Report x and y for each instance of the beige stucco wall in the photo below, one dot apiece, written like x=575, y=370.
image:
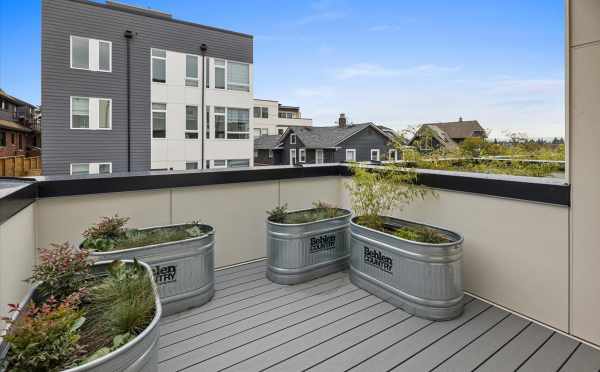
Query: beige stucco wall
x=584, y=126
x=17, y=256
x=515, y=252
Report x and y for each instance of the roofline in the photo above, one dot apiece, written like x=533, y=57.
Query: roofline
x=367, y=126
x=268, y=100
x=132, y=10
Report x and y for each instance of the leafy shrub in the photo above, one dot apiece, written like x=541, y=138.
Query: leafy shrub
x=45, y=338
x=278, y=213
x=62, y=271
x=110, y=228
x=123, y=302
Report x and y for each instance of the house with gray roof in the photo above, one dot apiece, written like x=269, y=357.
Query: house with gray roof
x=447, y=135
x=333, y=144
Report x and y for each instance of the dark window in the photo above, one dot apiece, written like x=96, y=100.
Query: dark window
x=265, y=112
x=20, y=142
x=2, y=139
x=14, y=140
x=257, y=112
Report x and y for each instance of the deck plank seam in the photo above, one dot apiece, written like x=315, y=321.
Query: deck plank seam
x=535, y=351
x=502, y=347
x=568, y=357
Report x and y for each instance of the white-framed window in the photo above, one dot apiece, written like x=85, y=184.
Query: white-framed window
x=190, y=165
x=292, y=156
x=350, y=155
x=392, y=155
x=256, y=153
x=238, y=163
x=261, y=112
x=374, y=154
x=302, y=155
x=90, y=54
x=159, y=120
x=270, y=154
x=238, y=123
x=191, y=122
x=90, y=168
x=256, y=132
x=238, y=76
x=159, y=65
x=220, y=122
x=219, y=163
x=280, y=131
x=220, y=73
x=91, y=113
x=319, y=156
x=292, y=139
x=260, y=132
x=191, y=70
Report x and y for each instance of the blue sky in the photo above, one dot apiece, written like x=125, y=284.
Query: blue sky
x=396, y=63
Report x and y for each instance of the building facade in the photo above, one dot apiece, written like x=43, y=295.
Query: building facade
x=19, y=127
x=273, y=118
x=447, y=135
x=131, y=89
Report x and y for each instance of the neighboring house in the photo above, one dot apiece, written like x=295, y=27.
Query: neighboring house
x=265, y=152
x=318, y=145
x=19, y=127
x=447, y=135
x=132, y=89
x=270, y=117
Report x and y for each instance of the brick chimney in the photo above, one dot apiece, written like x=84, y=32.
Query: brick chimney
x=460, y=118
x=342, y=121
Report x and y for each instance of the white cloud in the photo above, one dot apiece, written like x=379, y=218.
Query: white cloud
x=374, y=70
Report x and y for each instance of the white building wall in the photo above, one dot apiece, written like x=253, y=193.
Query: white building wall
x=175, y=150
x=274, y=122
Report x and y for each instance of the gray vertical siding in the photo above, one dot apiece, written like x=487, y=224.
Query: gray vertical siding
x=62, y=18
x=363, y=142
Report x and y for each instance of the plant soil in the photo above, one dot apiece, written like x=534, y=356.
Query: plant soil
x=310, y=215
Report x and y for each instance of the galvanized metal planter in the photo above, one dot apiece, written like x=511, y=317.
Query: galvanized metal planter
x=301, y=252
x=138, y=355
x=184, y=270
x=422, y=278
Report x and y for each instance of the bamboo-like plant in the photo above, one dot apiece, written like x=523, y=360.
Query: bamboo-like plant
x=377, y=191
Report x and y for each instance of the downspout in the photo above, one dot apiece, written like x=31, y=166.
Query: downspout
x=203, y=49
x=128, y=36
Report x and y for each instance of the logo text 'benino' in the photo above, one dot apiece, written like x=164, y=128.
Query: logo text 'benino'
x=164, y=274
x=376, y=258
x=322, y=243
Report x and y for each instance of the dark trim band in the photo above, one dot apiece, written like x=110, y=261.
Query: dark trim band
x=14, y=202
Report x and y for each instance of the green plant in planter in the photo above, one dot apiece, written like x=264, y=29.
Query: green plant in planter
x=278, y=213
x=377, y=191
x=101, y=236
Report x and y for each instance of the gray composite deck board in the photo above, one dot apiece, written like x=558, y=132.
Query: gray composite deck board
x=328, y=324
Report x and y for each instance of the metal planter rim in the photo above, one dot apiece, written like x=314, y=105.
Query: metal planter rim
x=347, y=213
x=459, y=241
x=211, y=231
x=132, y=343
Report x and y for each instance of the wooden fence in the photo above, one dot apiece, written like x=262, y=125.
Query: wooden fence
x=20, y=166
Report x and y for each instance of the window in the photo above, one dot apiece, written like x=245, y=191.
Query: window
x=208, y=164
x=80, y=112
x=302, y=155
x=104, y=113
x=280, y=131
x=374, y=154
x=292, y=156
x=207, y=77
x=270, y=154
x=159, y=120
x=319, y=157
x=238, y=123
x=191, y=165
x=219, y=74
x=91, y=168
x=219, y=122
x=219, y=163
x=191, y=122
x=14, y=139
x=20, y=141
x=238, y=163
x=292, y=139
x=191, y=71
x=91, y=54
x=159, y=66
x=207, y=122
x=264, y=131
x=350, y=155
x=392, y=155
x=238, y=76
x=256, y=153
x=261, y=112
x=3, y=139
x=286, y=115
x=256, y=132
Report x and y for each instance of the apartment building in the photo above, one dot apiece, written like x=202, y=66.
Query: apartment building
x=273, y=118
x=131, y=89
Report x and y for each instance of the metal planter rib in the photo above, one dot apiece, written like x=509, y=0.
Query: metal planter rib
x=138, y=355
x=184, y=270
x=423, y=279
x=301, y=252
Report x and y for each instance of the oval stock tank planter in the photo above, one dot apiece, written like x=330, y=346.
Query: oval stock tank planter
x=424, y=279
x=184, y=270
x=301, y=252
x=138, y=355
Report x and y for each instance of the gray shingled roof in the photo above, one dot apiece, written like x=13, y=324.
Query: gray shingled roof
x=266, y=142
x=326, y=137
x=460, y=129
